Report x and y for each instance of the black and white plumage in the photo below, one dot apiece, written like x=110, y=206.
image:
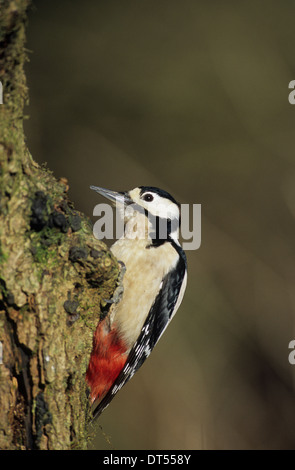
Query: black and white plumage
x=154, y=285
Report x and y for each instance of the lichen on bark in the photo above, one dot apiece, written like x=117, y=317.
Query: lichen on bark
x=54, y=276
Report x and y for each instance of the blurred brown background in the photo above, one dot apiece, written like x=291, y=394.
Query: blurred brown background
x=192, y=97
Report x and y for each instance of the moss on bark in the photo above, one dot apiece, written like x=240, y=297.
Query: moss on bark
x=53, y=277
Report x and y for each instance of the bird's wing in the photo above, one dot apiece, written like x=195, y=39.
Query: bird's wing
x=164, y=307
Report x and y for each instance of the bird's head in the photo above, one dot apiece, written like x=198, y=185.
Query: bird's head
x=147, y=211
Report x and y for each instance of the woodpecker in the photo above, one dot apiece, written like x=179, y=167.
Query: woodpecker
x=153, y=287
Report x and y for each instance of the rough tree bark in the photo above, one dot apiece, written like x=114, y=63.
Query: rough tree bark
x=53, y=277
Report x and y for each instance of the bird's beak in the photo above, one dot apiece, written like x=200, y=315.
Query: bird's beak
x=118, y=197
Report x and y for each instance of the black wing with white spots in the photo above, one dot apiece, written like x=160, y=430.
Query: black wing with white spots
x=157, y=320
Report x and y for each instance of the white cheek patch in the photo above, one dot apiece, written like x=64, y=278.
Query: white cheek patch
x=159, y=207
x=163, y=209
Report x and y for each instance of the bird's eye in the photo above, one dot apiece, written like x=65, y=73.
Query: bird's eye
x=148, y=197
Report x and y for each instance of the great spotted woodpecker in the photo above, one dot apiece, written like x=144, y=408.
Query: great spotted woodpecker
x=154, y=285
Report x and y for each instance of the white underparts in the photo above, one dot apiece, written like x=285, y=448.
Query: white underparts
x=145, y=270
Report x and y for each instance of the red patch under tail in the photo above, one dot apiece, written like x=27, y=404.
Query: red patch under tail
x=107, y=359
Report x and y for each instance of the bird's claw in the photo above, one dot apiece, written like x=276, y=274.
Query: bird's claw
x=118, y=292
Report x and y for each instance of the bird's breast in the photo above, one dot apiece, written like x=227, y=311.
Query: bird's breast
x=145, y=269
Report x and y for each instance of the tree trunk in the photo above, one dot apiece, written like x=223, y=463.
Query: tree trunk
x=53, y=277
